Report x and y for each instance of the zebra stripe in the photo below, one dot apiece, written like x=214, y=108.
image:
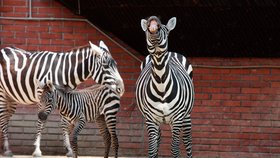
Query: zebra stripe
x=98, y=103
x=20, y=72
x=164, y=89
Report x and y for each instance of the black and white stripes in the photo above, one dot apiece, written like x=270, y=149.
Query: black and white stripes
x=98, y=103
x=20, y=72
x=164, y=89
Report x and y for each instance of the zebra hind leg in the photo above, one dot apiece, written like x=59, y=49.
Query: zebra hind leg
x=6, y=111
x=105, y=133
x=187, y=137
x=111, y=125
x=176, y=129
x=154, y=137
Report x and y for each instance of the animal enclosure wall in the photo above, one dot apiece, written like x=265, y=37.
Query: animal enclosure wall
x=236, y=111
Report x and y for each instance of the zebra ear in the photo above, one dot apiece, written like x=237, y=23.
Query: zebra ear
x=40, y=84
x=63, y=88
x=103, y=45
x=96, y=49
x=171, y=23
x=50, y=85
x=144, y=25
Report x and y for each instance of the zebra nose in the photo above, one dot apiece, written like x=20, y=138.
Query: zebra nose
x=120, y=87
x=120, y=91
x=42, y=116
x=153, y=26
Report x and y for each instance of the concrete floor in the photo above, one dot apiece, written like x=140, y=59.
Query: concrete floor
x=52, y=156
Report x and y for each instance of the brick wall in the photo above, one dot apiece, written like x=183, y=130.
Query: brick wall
x=236, y=111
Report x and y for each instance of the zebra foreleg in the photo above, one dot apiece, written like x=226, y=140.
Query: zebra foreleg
x=105, y=133
x=187, y=136
x=77, y=130
x=154, y=137
x=65, y=131
x=40, y=127
x=176, y=129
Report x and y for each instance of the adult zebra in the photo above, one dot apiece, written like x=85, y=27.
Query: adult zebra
x=98, y=103
x=20, y=72
x=164, y=89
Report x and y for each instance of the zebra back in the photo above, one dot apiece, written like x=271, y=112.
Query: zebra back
x=20, y=70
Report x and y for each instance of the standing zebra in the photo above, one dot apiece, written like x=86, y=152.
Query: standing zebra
x=20, y=72
x=99, y=103
x=164, y=89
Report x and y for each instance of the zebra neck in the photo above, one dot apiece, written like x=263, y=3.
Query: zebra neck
x=160, y=67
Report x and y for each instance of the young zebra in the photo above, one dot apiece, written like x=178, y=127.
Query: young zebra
x=164, y=89
x=99, y=103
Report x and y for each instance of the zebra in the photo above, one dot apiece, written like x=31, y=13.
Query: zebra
x=98, y=103
x=164, y=88
x=20, y=70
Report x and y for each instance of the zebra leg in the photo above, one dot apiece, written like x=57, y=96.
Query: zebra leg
x=65, y=131
x=40, y=127
x=111, y=125
x=77, y=130
x=154, y=138
x=6, y=111
x=176, y=129
x=105, y=133
x=187, y=136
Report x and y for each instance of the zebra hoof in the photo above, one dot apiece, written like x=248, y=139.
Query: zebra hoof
x=37, y=154
x=8, y=153
x=69, y=155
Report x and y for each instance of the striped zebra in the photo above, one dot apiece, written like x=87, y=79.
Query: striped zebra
x=20, y=71
x=164, y=89
x=98, y=103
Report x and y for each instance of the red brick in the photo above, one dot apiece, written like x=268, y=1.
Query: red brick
x=251, y=90
x=240, y=71
x=6, y=9
x=14, y=41
x=21, y=9
x=14, y=3
x=275, y=84
x=13, y=28
x=55, y=29
x=37, y=29
x=231, y=103
x=15, y=14
x=260, y=71
x=275, y=71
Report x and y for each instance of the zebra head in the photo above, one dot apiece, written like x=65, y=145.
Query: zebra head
x=157, y=34
x=47, y=99
x=108, y=73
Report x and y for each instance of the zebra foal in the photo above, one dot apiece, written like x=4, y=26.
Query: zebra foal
x=99, y=103
x=164, y=89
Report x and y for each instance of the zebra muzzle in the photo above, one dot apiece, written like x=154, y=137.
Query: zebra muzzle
x=42, y=116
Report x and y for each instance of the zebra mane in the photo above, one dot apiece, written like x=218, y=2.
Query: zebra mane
x=78, y=48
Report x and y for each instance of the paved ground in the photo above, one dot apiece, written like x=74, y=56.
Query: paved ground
x=25, y=156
